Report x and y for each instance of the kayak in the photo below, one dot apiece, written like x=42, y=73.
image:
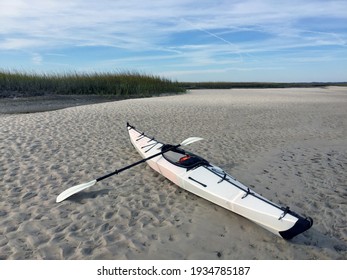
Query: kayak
x=198, y=176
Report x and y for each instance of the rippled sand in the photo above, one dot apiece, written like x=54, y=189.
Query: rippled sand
x=290, y=145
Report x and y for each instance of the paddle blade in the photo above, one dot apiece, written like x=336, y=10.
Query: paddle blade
x=190, y=140
x=75, y=189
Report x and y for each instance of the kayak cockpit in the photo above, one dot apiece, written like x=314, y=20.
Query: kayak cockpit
x=182, y=158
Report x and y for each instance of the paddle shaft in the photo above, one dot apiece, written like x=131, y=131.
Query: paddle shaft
x=135, y=163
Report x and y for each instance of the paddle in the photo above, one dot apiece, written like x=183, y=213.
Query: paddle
x=75, y=189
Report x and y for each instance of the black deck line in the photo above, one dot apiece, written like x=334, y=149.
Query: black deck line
x=246, y=191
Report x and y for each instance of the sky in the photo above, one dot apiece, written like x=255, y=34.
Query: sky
x=183, y=40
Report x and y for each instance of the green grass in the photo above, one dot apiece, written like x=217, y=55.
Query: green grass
x=121, y=85
x=126, y=84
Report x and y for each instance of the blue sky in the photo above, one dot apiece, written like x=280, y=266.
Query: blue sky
x=184, y=40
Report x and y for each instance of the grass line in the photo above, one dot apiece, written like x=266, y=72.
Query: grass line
x=127, y=84
x=249, y=85
x=120, y=85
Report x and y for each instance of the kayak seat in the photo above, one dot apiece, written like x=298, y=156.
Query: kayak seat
x=182, y=158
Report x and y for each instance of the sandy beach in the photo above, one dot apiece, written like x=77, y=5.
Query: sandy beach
x=290, y=145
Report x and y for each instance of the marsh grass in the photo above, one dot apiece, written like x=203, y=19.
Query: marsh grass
x=120, y=85
x=125, y=84
x=230, y=85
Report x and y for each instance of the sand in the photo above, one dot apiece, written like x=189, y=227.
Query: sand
x=290, y=145
x=48, y=102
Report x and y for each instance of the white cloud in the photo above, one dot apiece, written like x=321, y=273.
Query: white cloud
x=36, y=58
x=128, y=24
x=212, y=28
x=19, y=43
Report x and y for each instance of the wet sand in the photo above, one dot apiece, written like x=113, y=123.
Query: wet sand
x=50, y=102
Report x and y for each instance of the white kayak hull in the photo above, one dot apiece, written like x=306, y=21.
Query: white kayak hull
x=210, y=182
